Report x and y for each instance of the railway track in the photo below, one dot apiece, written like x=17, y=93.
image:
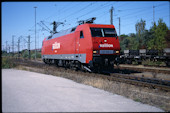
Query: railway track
x=142, y=81
x=126, y=78
x=164, y=70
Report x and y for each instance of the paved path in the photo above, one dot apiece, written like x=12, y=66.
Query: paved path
x=24, y=91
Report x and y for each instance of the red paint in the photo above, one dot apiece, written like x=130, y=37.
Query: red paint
x=73, y=44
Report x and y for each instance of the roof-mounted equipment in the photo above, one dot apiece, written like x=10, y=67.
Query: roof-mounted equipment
x=90, y=20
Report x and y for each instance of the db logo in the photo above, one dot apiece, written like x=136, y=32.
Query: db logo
x=56, y=45
x=105, y=45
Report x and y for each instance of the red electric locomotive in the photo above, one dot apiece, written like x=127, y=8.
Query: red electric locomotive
x=91, y=47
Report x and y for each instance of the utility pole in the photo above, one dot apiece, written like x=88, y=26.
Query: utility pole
x=35, y=33
x=12, y=45
x=111, y=15
x=2, y=47
x=29, y=55
x=9, y=48
x=119, y=26
x=6, y=46
x=28, y=50
x=154, y=14
x=19, y=46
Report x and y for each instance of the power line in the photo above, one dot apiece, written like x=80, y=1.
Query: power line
x=137, y=12
x=33, y=26
x=81, y=15
x=126, y=25
x=92, y=11
x=161, y=4
x=124, y=10
x=110, y=4
x=45, y=26
x=62, y=11
x=79, y=10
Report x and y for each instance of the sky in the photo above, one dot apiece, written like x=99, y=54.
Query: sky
x=18, y=18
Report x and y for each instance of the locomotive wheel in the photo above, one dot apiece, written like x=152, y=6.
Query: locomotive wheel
x=56, y=63
x=129, y=61
x=44, y=61
x=167, y=63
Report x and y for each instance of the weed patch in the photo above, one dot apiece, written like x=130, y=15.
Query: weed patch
x=7, y=63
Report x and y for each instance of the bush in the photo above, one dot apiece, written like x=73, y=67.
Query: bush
x=25, y=54
x=6, y=63
x=38, y=55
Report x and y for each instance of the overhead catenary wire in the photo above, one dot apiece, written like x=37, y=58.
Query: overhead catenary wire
x=62, y=11
x=92, y=11
x=138, y=13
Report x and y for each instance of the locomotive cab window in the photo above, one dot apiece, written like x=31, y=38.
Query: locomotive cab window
x=103, y=32
x=96, y=32
x=108, y=32
x=81, y=34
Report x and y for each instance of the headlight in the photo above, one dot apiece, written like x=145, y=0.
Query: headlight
x=117, y=51
x=94, y=51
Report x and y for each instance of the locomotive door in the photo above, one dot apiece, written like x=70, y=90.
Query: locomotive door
x=77, y=45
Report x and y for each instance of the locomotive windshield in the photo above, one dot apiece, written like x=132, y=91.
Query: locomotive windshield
x=103, y=32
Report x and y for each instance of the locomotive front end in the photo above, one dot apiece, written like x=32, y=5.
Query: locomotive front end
x=106, y=47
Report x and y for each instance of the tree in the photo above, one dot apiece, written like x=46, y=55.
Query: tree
x=167, y=38
x=154, y=38
x=123, y=42
x=132, y=35
x=157, y=40
x=140, y=29
x=151, y=37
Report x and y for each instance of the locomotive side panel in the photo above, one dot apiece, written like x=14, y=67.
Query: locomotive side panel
x=57, y=45
x=43, y=47
x=70, y=47
x=60, y=48
x=85, y=42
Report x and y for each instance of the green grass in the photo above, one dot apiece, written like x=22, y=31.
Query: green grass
x=153, y=63
x=137, y=100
